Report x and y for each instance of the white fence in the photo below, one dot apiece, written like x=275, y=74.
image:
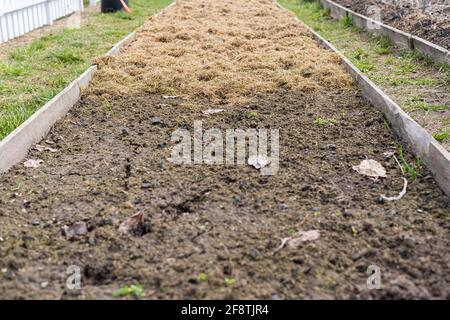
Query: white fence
x=18, y=17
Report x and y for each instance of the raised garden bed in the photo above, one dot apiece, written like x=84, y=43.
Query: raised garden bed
x=428, y=19
x=213, y=231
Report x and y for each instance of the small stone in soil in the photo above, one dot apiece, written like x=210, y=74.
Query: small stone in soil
x=357, y=256
x=348, y=214
x=76, y=229
x=255, y=254
x=156, y=120
x=91, y=241
x=145, y=185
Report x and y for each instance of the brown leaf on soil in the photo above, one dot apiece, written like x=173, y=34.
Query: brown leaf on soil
x=33, y=163
x=212, y=111
x=296, y=240
x=76, y=229
x=134, y=225
x=371, y=168
x=128, y=205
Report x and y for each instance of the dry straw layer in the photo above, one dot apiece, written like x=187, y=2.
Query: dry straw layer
x=220, y=50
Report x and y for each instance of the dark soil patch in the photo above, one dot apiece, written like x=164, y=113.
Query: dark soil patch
x=430, y=22
x=218, y=220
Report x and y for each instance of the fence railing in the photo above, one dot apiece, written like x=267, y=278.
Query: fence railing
x=18, y=17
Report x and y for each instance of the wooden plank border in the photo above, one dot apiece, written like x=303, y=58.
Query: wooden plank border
x=402, y=39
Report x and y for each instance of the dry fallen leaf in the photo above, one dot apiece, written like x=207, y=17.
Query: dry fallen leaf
x=258, y=161
x=33, y=163
x=370, y=168
x=300, y=237
x=212, y=111
x=128, y=205
x=76, y=229
x=41, y=148
x=134, y=225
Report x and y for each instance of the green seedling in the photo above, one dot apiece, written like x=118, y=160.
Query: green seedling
x=135, y=290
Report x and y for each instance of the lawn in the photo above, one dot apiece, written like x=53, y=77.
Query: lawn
x=34, y=74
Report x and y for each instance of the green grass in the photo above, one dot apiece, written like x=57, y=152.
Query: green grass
x=418, y=103
x=32, y=75
x=347, y=21
x=360, y=60
x=442, y=136
x=384, y=45
x=413, y=170
x=229, y=281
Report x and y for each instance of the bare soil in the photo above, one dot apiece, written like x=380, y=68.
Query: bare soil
x=430, y=21
x=224, y=221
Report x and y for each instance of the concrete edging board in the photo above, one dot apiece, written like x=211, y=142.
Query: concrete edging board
x=402, y=39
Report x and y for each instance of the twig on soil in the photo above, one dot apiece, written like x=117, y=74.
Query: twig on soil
x=402, y=193
x=283, y=243
x=401, y=167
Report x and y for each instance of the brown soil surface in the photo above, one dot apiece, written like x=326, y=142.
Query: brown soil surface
x=224, y=221
x=430, y=21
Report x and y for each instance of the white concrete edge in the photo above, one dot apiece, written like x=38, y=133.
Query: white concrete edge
x=14, y=147
x=402, y=39
x=421, y=142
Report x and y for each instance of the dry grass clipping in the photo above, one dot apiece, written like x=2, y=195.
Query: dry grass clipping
x=220, y=50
